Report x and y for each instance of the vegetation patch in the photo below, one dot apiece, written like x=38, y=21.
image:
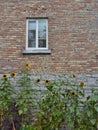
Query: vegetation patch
x=62, y=103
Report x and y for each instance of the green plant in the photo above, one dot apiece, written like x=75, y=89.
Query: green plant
x=26, y=127
x=6, y=96
x=24, y=99
x=50, y=115
x=64, y=101
x=91, y=110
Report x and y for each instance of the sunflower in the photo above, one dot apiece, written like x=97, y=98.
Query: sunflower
x=4, y=76
x=37, y=80
x=82, y=84
x=47, y=81
x=27, y=64
x=73, y=94
x=74, y=75
x=12, y=74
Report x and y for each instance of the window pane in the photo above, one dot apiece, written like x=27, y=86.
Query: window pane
x=42, y=33
x=42, y=43
x=32, y=43
x=32, y=34
x=32, y=25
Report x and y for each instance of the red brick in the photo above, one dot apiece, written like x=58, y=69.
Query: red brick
x=73, y=36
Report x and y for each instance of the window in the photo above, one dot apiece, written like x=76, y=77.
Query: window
x=37, y=34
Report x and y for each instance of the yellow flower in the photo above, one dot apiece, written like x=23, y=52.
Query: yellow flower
x=73, y=94
x=74, y=75
x=82, y=84
x=4, y=76
x=38, y=80
x=47, y=81
x=12, y=74
x=27, y=64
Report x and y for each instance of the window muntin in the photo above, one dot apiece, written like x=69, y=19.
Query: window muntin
x=37, y=34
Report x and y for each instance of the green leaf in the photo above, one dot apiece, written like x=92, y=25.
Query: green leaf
x=93, y=121
x=78, y=111
x=94, y=98
x=71, y=109
x=25, y=109
x=22, y=127
x=20, y=112
x=57, y=112
x=96, y=107
x=89, y=113
x=71, y=123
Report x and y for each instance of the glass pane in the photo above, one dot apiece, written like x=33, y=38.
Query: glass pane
x=31, y=43
x=32, y=25
x=42, y=33
x=31, y=38
x=32, y=34
x=42, y=43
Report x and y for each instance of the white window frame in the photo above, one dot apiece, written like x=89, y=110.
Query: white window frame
x=36, y=48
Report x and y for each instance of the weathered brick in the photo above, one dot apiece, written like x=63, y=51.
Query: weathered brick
x=73, y=35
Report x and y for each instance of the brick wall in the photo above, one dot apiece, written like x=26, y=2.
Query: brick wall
x=73, y=35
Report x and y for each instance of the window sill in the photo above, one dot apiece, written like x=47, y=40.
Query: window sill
x=25, y=52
